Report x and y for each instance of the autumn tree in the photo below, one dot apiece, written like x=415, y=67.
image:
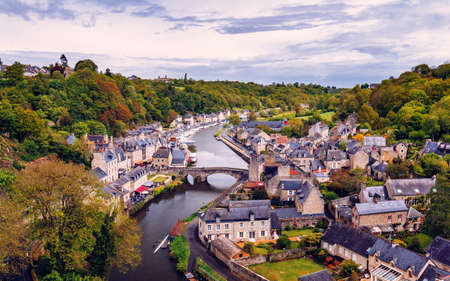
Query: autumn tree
x=171, y=115
x=234, y=120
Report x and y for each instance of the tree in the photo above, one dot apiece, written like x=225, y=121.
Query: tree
x=63, y=60
x=96, y=127
x=414, y=245
x=14, y=73
x=437, y=221
x=283, y=242
x=86, y=64
x=398, y=170
x=422, y=69
x=79, y=129
x=347, y=268
x=108, y=72
x=249, y=247
x=252, y=116
x=100, y=259
x=345, y=183
x=343, y=145
x=234, y=120
x=297, y=127
x=171, y=115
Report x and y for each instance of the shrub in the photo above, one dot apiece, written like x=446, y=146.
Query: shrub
x=283, y=242
x=179, y=249
x=249, y=247
x=347, y=268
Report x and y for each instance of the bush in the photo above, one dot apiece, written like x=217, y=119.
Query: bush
x=347, y=268
x=287, y=228
x=179, y=249
x=283, y=242
x=249, y=247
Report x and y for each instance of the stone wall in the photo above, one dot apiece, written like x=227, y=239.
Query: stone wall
x=287, y=254
x=244, y=273
x=300, y=222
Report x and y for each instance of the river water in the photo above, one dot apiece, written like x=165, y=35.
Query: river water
x=157, y=219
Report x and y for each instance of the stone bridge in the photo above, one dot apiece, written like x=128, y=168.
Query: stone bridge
x=201, y=174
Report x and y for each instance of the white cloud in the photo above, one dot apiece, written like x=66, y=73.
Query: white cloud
x=261, y=40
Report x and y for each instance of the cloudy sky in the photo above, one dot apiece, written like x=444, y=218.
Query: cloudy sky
x=331, y=42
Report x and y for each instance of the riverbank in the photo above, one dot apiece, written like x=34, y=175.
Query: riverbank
x=242, y=152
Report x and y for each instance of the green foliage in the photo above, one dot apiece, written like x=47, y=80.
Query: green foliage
x=191, y=217
x=179, y=249
x=437, y=221
x=260, y=194
x=14, y=73
x=234, y=120
x=7, y=178
x=53, y=276
x=100, y=259
x=86, y=64
x=206, y=271
x=283, y=242
x=249, y=247
x=347, y=268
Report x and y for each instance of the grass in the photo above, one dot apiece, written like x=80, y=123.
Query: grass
x=327, y=116
x=160, y=179
x=424, y=240
x=204, y=269
x=288, y=270
x=298, y=232
x=263, y=249
x=218, y=132
x=150, y=176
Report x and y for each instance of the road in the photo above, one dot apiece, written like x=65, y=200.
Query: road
x=198, y=250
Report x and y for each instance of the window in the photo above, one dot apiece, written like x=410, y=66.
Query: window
x=354, y=257
x=209, y=227
x=345, y=252
x=341, y=250
x=241, y=234
x=263, y=233
x=325, y=245
x=389, y=219
x=209, y=236
x=241, y=224
x=262, y=223
x=252, y=223
x=251, y=234
x=290, y=192
x=227, y=226
x=227, y=235
x=399, y=218
x=218, y=227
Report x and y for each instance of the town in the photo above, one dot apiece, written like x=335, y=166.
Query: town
x=280, y=209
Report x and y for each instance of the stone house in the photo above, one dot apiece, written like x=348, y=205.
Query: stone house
x=386, y=216
x=258, y=144
x=319, y=171
x=401, y=149
x=127, y=184
x=226, y=250
x=360, y=159
x=320, y=128
x=189, y=120
x=388, y=154
x=241, y=221
x=242, y=134
x=373, y=194
x=178, y=158
x=309, y=200
x=162, y=158
x=336, y=160
x=378, y=170
x=107, y=161
x=439, y=253
x=391, y=262
x=348, y=243
x=340, y=132
x=288, y=189
x=302, y=159
x=410, y=190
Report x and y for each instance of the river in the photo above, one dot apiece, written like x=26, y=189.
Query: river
x=157, y=219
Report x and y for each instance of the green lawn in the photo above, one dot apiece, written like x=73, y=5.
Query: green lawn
x=205, y=269
x=160, y=179
x=288, y=270
x=424, y=240
x=262, y=250
x=327, y=116
x=298, y=232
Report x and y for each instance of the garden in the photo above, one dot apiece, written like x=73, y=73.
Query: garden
x=288, y=270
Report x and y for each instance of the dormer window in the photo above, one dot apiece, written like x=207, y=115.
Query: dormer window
x=252, y=217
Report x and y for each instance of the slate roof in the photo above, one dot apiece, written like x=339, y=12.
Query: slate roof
x=410, y=187
x=274, y=221
x=336, y=155
x=380, y=166
x=371, y=191
x=239, y=211
x=381, y=207
x=303, y=191
x=162, y=152
x=291, y=184
x=109, y=155
x=317, y=165
x=100, y=173
x=439, y=250
x=403, y=258
x=226, y=247
x=286, y=213
x=431, y=147
x=413, y=213
x=177, y=156
x=300, y=153
x=432, y=273
x=351, y=238
x=317, y=276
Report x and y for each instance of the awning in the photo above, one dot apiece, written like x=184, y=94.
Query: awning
x=386, y=273
x=141, y=188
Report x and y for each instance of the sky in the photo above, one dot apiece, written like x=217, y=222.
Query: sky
x=328, y=42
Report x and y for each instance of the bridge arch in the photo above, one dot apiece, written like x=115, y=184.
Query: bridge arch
x=200, y=174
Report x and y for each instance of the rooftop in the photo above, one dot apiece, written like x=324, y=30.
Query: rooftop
x=381, y=207
x=410, y=187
